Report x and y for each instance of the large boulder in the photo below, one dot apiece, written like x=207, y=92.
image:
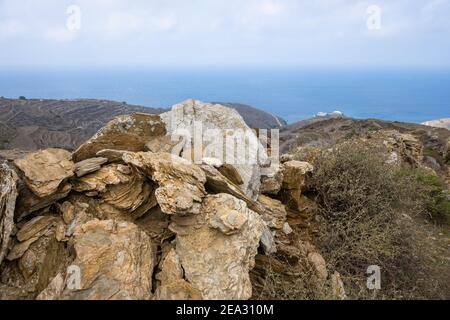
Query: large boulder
x=217, y=247
x=223, y=134
x=8, y=194
x=115, y=260
x=44, y=171
x=128, y=132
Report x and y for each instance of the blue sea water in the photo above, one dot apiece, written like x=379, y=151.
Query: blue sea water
x=292, y=93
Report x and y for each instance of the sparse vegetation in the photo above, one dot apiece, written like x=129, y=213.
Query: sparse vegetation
x=433, y=194
x=367, y=207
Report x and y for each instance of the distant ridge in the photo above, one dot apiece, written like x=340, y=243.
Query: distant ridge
x=31, y=124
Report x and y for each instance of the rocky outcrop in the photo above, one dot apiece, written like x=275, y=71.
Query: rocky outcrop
x=8, y=194
x=133, y=219
x=223, y=134
x=129, y=132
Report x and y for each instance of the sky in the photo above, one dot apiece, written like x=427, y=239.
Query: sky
x=126, y=33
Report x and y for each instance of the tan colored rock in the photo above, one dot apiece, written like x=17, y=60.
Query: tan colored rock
x=45, y=170
x=87, y=166
x=164, y=144
x=116, y=260
x=180, y=183
x=294, y=173
x=28, y=202
x=319, y=265
x=67, y=210
x=274, y=213
x=177, y=290
x=271, y=184
x=219, y=125
x=34, y=226
x=54, y=289
x=8, y=195
x=215, y=263
x=20, y=248
x=129, y=132
x=294, y=181
x=218, y=183
x=121, y=190
x=38, y=265
x=111, y=155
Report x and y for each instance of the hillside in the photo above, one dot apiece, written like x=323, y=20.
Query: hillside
x=35, y=124
x=328, y=132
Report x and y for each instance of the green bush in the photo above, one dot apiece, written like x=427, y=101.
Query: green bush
x=22, y=98
x=434, y=195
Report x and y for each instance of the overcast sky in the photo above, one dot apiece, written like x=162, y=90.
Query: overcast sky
x=224, y=32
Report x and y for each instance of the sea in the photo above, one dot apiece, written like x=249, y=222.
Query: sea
x=295, y=93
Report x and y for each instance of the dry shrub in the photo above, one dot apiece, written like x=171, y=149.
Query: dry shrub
x=366, y=209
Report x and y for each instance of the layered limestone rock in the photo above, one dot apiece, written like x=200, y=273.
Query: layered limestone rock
x=44, y=171
x=115, y=260
x=120, y=191
x=218, y=132
x=217, y=247
x=180, y=183
x=294, y=179
x=8, y=195
x=129, y=132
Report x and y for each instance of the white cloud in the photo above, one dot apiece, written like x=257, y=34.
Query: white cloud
x=224, y=32
x=271, y=8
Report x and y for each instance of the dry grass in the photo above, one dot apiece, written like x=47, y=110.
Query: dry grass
x=367, y=209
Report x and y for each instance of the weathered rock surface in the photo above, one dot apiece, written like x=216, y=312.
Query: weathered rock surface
x=84, y=167
x=129, y=132
x=28, y=202
x=120, y=190
x=219, y=124
x=275, y=212
x=215, y=262
x=180, y=183
x=172, y=285
x=8, y=195
x=45, y=170
x=294, y=180
x=116, y=261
